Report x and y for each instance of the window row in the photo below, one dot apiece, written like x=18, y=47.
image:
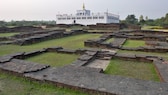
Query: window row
x=81, y=18
x=114, y=18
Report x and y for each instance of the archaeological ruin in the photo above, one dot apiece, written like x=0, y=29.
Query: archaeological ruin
x=86, y=73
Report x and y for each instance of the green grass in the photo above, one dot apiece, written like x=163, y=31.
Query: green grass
x=155, y=28
x=7, y=34
x=110, y=40
x=151, y=27
x=165, y=30
x=164, y=55
x=12, y=85
x=54, y=59
x=134, y=43
x=72, y=42
x=134, y=69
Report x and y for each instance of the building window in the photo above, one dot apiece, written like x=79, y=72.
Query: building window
x=83, y=17
x=73, y=17
x=78, y=17
x=59, y=18
x=101, y=17
x=89, y=17
x=95, y=17
x=68, y=18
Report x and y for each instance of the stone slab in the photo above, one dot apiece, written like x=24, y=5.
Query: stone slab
x=79, y=63
x=21, y=66
x=85, y=57
x=118, y=41
x=16, y=55
x=5, y=59
x=54, y=48
x=97, y=63
x=91, y=80
x=32, y=53
x=163, y=69
x=91, y=53
x=68, y=51
x=124, y=55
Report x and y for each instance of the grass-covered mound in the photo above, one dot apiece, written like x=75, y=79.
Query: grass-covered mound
x=134, y=69
x=54, y=59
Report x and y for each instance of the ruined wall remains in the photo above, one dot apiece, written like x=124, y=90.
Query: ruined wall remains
x=101, y=26
x=19, y=29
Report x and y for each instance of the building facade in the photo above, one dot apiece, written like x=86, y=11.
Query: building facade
x=85, y=17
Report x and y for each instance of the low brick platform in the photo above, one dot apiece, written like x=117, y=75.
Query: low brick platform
x=84, y=78
x=163, y=69
x=91, y=80
x=21, y=66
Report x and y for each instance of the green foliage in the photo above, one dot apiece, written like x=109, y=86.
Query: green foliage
x=26, y=23
x=54, y=59
x=146, y=18
x=150, y=22
x=158, y=22
x=3, y=23
x=130, y=19
x=141, y=20
x=134, y=69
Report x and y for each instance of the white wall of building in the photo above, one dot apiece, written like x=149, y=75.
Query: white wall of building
x=85, y=21
x=86, y=18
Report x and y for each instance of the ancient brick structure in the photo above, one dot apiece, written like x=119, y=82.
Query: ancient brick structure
x=101, y=26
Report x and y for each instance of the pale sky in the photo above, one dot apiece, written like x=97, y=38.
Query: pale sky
x=47, y=9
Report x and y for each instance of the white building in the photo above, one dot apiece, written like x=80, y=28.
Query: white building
x=85, y=17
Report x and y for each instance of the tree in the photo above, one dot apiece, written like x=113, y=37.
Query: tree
x=2, y=23
x=141, y=20
x=150, y=22
x=146, y=18
x=130, y=19
x=166, y=19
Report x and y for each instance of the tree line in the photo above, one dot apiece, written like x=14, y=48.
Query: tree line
x=131, y=19
x=26, y=23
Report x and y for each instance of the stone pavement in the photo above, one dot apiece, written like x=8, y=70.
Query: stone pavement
x=97, y=63
x=21, y=66
x=80, y=76
x=90, y=79
x=162, y=67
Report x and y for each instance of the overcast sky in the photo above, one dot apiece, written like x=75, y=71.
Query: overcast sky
x=47, y=9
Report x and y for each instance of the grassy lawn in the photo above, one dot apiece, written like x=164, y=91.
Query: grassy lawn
x=165, y=30
x=155, y=28
x=164, y=55
x=7, y=34
x=139, y=70
x=54, y=59
x=109, y=40
x=72, y=42
x=12, y=85
x=134, y=43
